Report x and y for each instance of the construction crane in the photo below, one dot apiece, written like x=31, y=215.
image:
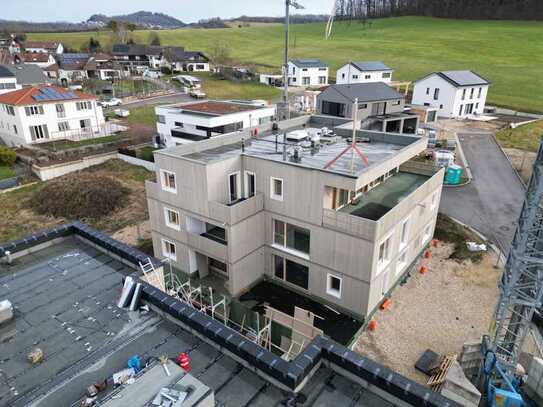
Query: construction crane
x=521, y=293
x=297, y=6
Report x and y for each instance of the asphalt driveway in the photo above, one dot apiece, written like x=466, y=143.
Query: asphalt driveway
x=491, y=203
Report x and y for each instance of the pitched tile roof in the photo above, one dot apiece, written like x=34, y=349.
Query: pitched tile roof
x=35, y=57
x=26, y=96
x=42, y=44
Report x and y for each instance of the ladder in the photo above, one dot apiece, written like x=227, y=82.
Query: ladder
x=151, y=274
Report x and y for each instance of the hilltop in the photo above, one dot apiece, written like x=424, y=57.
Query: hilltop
x=141, y=19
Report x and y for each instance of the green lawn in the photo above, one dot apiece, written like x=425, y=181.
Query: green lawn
x=66, y=144
x=527, y=137
x=224, y=89
x=509, y=53
x=6, y=172
x=142, y=115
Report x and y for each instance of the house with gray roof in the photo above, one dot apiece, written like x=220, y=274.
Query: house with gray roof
x=307, y=72
x=364, y=72
x=27, y=74
x=378, y=106
x=8, y=81
x=457, y=94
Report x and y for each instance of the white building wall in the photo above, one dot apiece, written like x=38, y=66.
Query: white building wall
x=349, y=74
x=8, y=82
x=172, y=115
x=450, y=96
x=296, y=75
x=49, y=118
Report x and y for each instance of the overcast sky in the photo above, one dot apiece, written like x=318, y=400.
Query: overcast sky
x=185, y=10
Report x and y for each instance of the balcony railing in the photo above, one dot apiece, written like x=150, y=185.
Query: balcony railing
x=233, y=213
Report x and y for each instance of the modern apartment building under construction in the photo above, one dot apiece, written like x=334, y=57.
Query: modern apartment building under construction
x=297, y=205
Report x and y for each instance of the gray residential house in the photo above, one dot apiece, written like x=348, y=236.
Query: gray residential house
x=380, y=107
x=300, y=213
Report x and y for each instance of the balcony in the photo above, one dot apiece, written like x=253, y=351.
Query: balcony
x=207, y=246
x=385, y=205
x=235, y=212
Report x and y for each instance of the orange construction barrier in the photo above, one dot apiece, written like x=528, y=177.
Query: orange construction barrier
x=183, y=361
x=427, y=254
x=435, y=243
x=423, y=270
x=385, y=304
x=372, y=325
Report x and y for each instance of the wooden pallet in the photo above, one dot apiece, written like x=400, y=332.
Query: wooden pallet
x=438, y=378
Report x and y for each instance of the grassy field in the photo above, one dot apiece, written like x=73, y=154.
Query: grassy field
x=6, y=172
x=142, y=115
x=66, y=144
x=509, y=53
x=527, y=137
x=18, y=220
x=223, y=89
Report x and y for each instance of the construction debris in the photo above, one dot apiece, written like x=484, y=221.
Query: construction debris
x=169, y=397
x=6, y=311
x=163, y=361
x=438, y=378
x=474, y=247
x=123, y=376
x=428, y=363
x=35, y=356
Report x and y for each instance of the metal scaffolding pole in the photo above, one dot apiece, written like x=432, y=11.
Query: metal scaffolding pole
x=522, y=281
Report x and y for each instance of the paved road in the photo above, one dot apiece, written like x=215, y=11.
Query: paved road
x=491, y=203
x=158, y=100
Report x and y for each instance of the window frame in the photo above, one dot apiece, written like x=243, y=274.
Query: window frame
x=283, y=246
x=284, y=273
x=165, y=187
x=401, y=265
x=167, y=254
x=329, y=289
x=273, y=195
x=167, y=222
x=64, y=125
x=436, y=94
x=236, y=174
x=404, y=242
x=382, y=264
x=247, y=174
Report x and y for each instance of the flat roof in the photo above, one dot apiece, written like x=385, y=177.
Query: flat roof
x=215, y=108
x=265, y=147
x=69, y=290
x=381, y=199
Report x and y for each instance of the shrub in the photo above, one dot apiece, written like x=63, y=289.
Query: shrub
x=165, y=70
x=79, y=196
x=127, y=151
x=7, y=156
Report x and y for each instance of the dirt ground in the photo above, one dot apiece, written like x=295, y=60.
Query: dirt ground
x=449, y=305
x=131, y=234
x=523, y=161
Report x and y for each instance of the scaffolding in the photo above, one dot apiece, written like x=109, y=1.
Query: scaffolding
x=260, y=332
x=522, y=281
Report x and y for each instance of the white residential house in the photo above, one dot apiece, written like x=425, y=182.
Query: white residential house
x=41, y=59
x=307, y=72
x=8, y=80
x=364, y=72
x=186, y=123
x=457, y=94
x=47, y=47
x=44, y=113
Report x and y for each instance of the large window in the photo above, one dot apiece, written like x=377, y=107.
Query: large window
x=333, y=285
x=276, y=188
x=250, y=184
x=305, y=80
x=33, y=110
x=384, y=252
x=10, y=110
x=167, y=180
x=83, y=105
x=63, y=126
x=322, y=79
x=233, y=187
x=169, y=250
x=291, y=236
x=292, y=272
x=39, y=132
x=386, y=75
x=61, y=112
x=404, y=233
x=333, y=109
x=172, y=218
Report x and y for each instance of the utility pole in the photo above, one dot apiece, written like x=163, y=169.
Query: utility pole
x=297, y=6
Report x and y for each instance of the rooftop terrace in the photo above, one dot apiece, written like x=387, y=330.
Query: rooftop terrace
x=215, y=108
x=265, y=147
x=381, y=199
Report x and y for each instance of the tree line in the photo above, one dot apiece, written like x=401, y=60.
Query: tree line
x=468, y=9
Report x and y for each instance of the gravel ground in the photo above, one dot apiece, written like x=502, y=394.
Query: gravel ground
x=440, y=310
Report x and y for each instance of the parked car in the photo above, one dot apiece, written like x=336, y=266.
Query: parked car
x=152, y=74
x=121, y=112
x=198, y=94
x=111, y=102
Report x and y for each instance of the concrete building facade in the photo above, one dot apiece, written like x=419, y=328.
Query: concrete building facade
x=244, y=209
